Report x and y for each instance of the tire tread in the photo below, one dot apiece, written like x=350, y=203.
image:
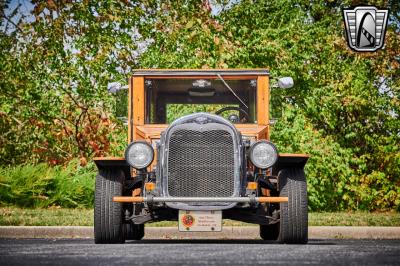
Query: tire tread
x=108, y=216
x=293, y=214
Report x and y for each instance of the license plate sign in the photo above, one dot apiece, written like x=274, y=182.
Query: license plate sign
x=200, y=221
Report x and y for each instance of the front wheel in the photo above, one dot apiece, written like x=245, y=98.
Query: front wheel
x=293, y=214
x=108, y=215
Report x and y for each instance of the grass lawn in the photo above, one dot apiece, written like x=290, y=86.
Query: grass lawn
x=60, y=216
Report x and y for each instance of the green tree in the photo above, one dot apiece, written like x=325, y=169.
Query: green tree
x=344, y=109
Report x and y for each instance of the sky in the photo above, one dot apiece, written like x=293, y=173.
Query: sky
x=26, y=6
x=24, y=10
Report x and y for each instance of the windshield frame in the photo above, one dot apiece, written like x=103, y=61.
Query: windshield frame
x=137, y=102
x=166, y=95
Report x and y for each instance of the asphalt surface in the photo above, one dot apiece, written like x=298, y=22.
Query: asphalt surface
x=228, y=232
x=198, y=252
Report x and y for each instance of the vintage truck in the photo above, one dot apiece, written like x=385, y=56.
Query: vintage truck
x=198, y=168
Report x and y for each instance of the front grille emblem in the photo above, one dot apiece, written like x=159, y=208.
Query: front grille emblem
x=201, y=120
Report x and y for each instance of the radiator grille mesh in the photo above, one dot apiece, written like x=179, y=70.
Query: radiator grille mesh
x=201, y=164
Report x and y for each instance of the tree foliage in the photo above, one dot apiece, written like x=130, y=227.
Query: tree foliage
x=344, y=109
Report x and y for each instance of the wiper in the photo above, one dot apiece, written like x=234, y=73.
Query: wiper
x=226, y=84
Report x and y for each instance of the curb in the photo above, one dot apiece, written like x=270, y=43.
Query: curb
x=228, y=232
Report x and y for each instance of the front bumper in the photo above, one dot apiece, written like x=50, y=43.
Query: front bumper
x=202, y=199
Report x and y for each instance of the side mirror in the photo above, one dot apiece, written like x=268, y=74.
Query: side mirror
x=285, y=82
x=114, y=87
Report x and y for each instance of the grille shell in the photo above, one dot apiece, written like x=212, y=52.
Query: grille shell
x=196, y=161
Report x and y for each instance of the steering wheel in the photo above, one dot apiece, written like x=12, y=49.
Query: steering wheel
x=234, y=108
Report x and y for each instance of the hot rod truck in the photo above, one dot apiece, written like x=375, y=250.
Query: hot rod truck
x=198, y=152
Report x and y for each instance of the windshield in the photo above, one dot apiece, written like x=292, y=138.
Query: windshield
x=170, y=99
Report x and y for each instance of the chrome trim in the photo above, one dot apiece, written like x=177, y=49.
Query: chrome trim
x=218, y=121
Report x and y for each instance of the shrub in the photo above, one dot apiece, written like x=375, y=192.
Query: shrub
x=42, y=186
x=335, y=176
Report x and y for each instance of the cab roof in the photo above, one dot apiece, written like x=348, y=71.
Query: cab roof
x=200, y=72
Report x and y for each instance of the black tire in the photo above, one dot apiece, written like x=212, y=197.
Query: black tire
x=108, y=215
x=134, y=231
x=293, y=214
x=269, y=232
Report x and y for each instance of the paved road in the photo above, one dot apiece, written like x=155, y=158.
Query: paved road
x=199, y=252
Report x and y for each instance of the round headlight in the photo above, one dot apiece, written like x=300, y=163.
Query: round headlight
x=263, y=154
x=139, y=154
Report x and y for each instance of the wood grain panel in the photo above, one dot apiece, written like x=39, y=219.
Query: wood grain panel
x=130, y=89
x=109, y=159
x=294, y=155
x=138, y=104
x=262, y=100
x=154, y=131
x=247, y=77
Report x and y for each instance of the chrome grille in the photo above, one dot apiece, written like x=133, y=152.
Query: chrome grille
x=201, y=163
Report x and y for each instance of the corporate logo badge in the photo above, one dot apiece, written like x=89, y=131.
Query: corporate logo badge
x=365, y=27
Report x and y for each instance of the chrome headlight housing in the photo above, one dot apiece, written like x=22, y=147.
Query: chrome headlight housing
x=139, y=154
x=263, y=154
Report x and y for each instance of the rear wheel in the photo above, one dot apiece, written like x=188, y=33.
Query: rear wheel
x=134, y=231
x=293, y=214
x=269, y=231
x=108, y=215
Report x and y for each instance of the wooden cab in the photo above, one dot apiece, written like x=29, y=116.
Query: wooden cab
x=151, y=92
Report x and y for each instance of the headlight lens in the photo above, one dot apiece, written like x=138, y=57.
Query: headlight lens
x=139, y=154
x=263, y=154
